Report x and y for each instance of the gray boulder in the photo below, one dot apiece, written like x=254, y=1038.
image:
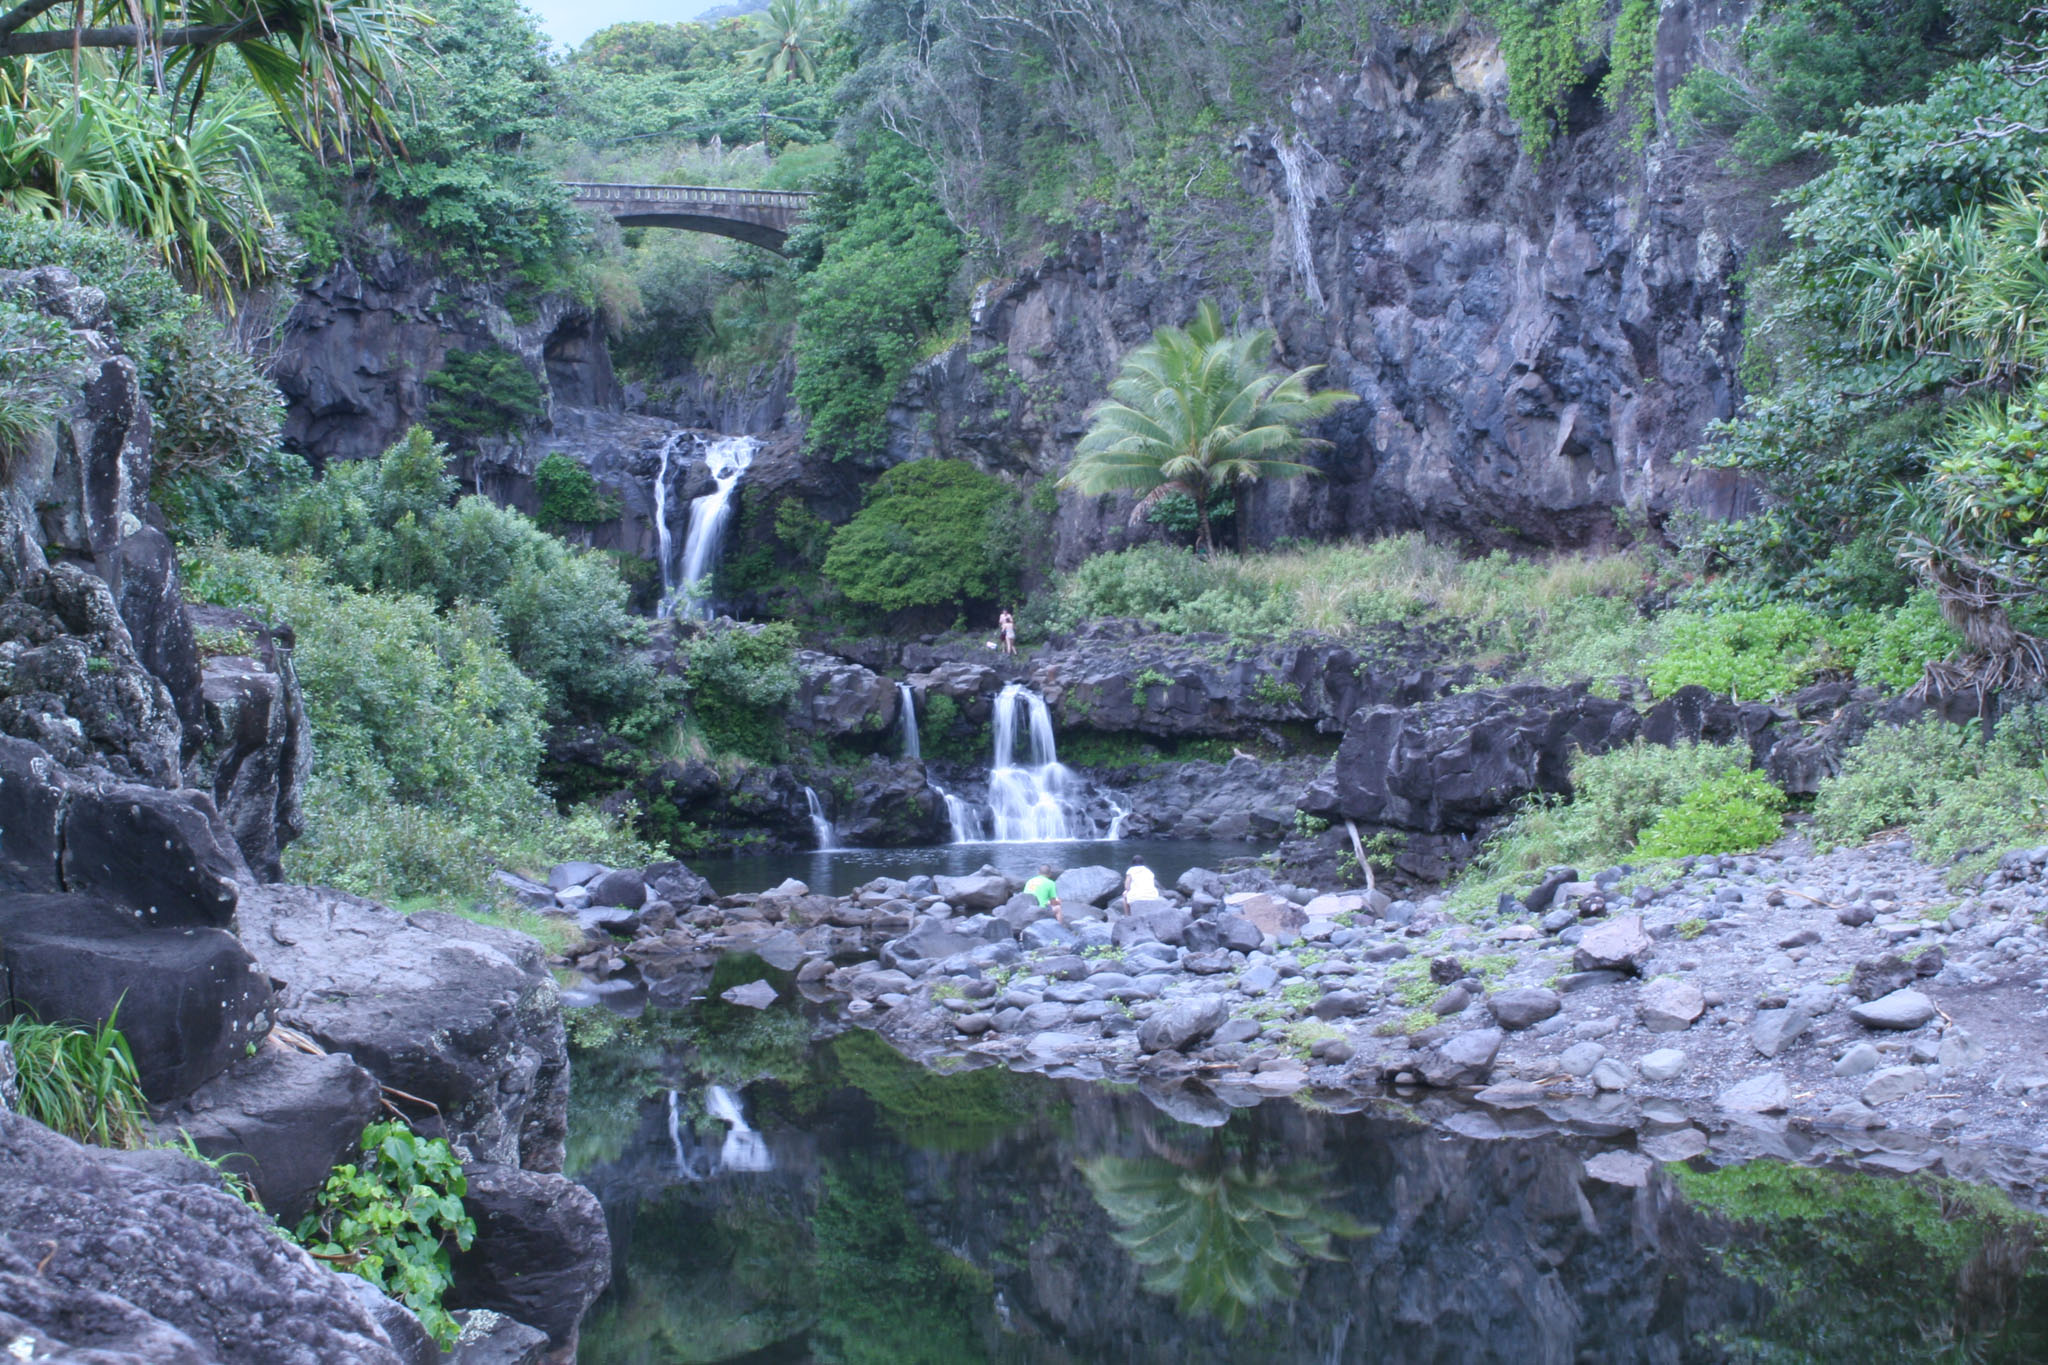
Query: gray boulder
x=1668, y=1005
x=541, y=1254
x=1900, y=1010
x=625, y=887
x=190, y=1001
x=254, y=750
x=1048, y=934
x=1617, y=945
x=676, y=884
x=1183, y=1023
x=562, y=876
x=532, y=895
x=1769, y=1093
x=458, y=1013
x=1523, y=1007
x=1091, y=885
x=34, y=790
x=984, y=890
x=164, y=853
x=1464, y=1059
x=283, y=1119
x=216, y=1284
x=1775, y=1030
x=931, y=940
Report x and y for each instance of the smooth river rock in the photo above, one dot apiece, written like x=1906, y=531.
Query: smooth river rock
x=1907, y=1009
x=1668, y=1005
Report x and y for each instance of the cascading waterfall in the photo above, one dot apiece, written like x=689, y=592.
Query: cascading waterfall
x=821, y=823
x=1306, y=174
x=665, y=556
x=728, y=458
x=964, y=817
x=1041, y=801
x=744, y=1149
x=907, y=701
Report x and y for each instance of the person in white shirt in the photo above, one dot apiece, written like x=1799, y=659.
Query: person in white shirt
x=1139, y=884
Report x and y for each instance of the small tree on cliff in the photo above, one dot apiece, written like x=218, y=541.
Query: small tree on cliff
x=1198, y=411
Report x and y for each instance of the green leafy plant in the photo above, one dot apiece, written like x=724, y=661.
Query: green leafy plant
x=928, y=534
x=482, y=393
x=1147, y=679
x=80, y=1081
x=1735, y=812
x=1268, y=690
x=392, y=1217
x=1946, y=785
x=568, y=493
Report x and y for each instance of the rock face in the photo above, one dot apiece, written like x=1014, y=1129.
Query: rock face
x=837, y=697
x=254, y=745
x=190, y=1000
x=1531, y=347
x=459, y=1014
x=363, y=337
x=541, y=1254
x=1450, y=766
x=143, y=1256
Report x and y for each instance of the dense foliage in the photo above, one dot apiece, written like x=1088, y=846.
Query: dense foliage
x=481, y=393
x=391, y=1218
x=931, y=533
x=78, y=1080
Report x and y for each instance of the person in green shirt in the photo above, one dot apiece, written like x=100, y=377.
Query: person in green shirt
x=1047, y=891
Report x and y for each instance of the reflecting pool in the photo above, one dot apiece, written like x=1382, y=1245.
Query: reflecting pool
x=776, y=1198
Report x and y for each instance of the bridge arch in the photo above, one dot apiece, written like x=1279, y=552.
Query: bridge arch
x=762, y=217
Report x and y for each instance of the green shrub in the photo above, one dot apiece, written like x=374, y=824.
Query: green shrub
x=926, y=536
x=883, y=258
x=482, y=393
x=427, y=737
x=80, y=1081
x=391, y=1219
x=569, y=494
x=210, y=407
x=1615, y=797
x=1733, y=813
x=740, y=678
x=1905, y=641
x=1949, y=788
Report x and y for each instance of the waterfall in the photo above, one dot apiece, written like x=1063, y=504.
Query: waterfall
x=963, y=816
x=728, y=457
x=745, y=1149
x=1038, y=801
x=907, y=700
x=1306, y=174
x=821, y=824
x=665, y=554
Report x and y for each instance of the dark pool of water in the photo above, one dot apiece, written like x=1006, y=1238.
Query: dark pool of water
x=839, y=871
x=872, y=1211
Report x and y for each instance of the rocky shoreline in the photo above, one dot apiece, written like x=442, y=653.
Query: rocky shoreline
x=1847, y=998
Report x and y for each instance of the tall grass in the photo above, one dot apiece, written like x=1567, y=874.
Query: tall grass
x=80, y=1081
x=1555, y=618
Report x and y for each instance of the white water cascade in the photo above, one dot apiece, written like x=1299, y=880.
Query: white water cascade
x=821, y=823
x=744, y=1149
x=964, y=817
x=728, y=458
x=665, y=558
x=906, y=700
x=1040, y=800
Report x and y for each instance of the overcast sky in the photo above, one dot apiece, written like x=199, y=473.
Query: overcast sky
x=569, y=22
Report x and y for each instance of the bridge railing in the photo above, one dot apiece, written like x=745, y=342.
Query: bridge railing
x=585, y=191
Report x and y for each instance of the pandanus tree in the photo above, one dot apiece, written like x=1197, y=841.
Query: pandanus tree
x=792, y=32
x=1217, y=1232
x=1198, y=411
x=105, y=111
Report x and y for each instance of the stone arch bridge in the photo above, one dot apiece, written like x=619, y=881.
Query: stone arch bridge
x=763, y=217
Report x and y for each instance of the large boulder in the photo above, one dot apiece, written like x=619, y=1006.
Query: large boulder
x=891, y=804
x=541, y=1254
x=987, y=889
x=253, y=745
x=931, y=940
x=1090, y=885
x=283, y=1119
x=1454, y=764
x=143, y=1256
x=1617, y=945
x=1183, y=1023
x=836, y=697
x=1465, y=1059
x=189, y=1001
x=163, y=854
x=33, y=791
x=459, y=1014
x=676, y=884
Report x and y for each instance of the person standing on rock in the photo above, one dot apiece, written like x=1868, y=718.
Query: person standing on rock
x=1007, y=624
x=1047, y=891
x=1139, y=884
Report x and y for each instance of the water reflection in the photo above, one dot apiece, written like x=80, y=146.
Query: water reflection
x=893, y=1214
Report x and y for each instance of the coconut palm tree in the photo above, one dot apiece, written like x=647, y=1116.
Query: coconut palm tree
x=1198, y=411
x=792, y=32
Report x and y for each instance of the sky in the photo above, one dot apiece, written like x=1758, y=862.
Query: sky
x=569, y=22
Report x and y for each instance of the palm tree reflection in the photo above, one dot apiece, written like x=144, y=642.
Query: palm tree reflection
x=1218, y=1232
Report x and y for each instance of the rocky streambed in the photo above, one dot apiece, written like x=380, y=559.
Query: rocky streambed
x=1849, y=998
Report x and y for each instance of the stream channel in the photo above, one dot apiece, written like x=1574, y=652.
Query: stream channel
x=782, y=1189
